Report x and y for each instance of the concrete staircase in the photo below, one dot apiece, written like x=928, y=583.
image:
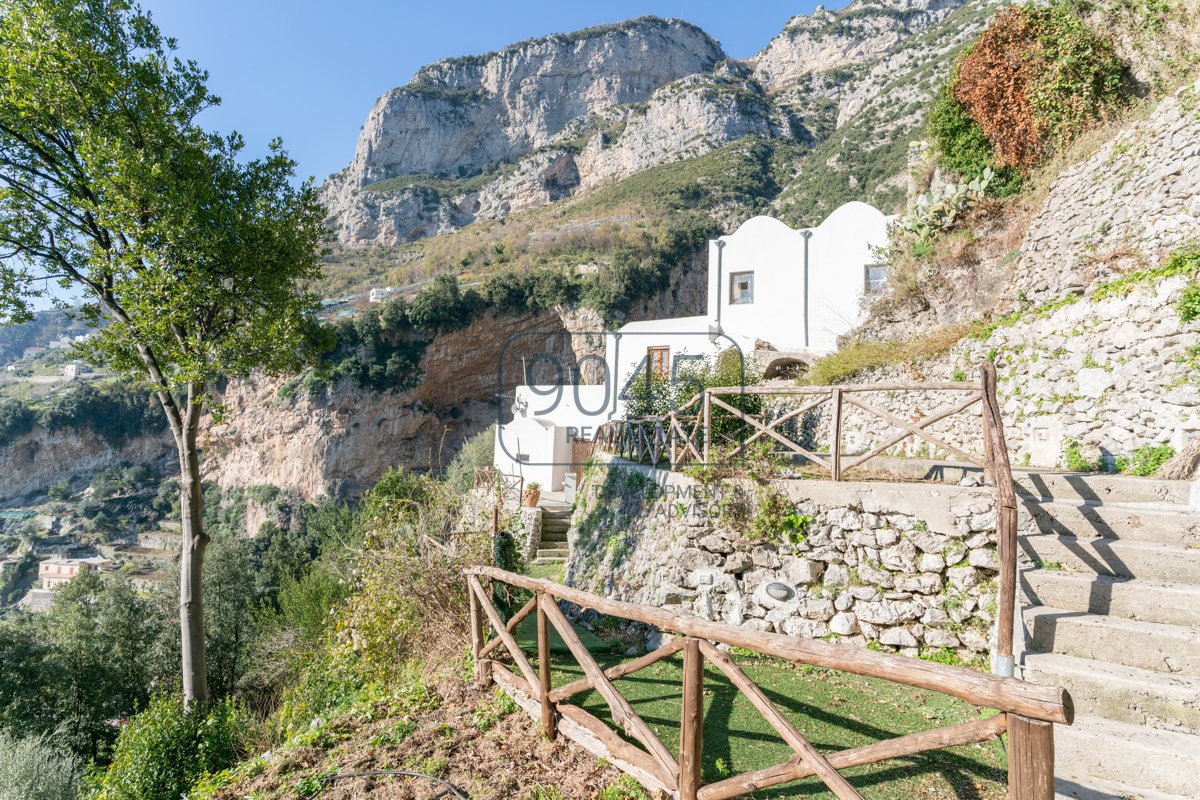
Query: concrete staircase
x=556, y=521
x=1112, y=613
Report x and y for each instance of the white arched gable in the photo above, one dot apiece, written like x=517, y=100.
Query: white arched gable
x=788, y=309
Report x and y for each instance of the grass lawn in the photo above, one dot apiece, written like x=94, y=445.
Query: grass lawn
x=550, y=572
x=833, y=709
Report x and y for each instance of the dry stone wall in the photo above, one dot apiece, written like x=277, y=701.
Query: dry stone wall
x=1127, y=206
x=1112, y=375
x=909, y=567
x=1113, y=371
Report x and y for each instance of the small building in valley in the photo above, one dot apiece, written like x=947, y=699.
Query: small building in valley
x=54, y=572
x=781, y=297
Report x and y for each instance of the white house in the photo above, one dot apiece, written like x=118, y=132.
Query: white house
x=777, y=294
x=786, y=293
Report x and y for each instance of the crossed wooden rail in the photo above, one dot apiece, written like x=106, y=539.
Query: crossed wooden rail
x=508, y=486
x=685, y=435
x=1028, y=711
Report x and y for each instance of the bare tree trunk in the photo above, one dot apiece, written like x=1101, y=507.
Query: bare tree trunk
x=191, y=566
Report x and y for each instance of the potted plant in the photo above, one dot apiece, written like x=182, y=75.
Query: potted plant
x=533, y=493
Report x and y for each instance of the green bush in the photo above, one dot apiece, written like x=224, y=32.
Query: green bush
x=35, y=769
x=442, y=306
x=164, y=750
x=1146, y=460
x=1075, y=461
x=1189, y=303
x=478, y=451
x=777, y=519
x=60, y=491
x=963, y=148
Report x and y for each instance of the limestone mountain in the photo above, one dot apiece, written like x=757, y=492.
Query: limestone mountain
x=558, y=117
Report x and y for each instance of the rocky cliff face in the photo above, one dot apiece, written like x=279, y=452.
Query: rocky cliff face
x=563, y=115
x=39, y=459
x=825, y=40
x=340, y=441
x=460, y=115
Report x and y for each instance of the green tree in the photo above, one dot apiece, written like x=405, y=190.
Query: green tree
x=194, y=255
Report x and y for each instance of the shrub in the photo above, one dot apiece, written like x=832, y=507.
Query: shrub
x=410, y=597
x=60, y=491
x=478, y=451
x=1076, y=460
x=777, y=519
x=1189, y=303
x=36, y=768
x=962, y=146
x=1146, y=460
x=442, y=306
x=1035, y=79
x=164, y=750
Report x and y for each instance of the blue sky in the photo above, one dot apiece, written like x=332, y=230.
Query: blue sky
x=309, y=71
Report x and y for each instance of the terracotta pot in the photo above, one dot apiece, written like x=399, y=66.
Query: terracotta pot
x=531, y=497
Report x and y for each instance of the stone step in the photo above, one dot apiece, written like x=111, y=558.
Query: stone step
x=560, y=553
x=1143, y=522
x=1151, y=601
x=1116, y=557
x=1096, y=789
x=1152, y=760
x=549, y=560
x=1079, y=487
x=1133, y=643
x=1124, y=694
x=556, y=524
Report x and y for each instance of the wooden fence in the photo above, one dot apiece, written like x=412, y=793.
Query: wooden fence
x=1027, y=711
x=690, y=433
x=508, y=487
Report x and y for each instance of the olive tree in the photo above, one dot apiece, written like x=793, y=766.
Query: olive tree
x=193, y=258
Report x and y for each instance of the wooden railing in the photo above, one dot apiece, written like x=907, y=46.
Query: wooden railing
x=508, y=486
x=689, y=434
x=1027, y=711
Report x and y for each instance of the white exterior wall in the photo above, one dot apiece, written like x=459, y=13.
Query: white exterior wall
x=537, y=444
x=687, y=336
x=839, y=250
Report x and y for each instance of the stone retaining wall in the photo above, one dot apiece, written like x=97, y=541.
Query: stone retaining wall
x=908, y=567
x=1114, y=374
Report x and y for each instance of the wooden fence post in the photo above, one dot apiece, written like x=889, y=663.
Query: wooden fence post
x=707, y=424
x=483, y=667
x=543, y=634
x=691, y=727
x=835, y=435
x=1006, y=520
x=1030, y=759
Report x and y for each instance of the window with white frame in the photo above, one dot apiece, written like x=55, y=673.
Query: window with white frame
x=874, y=276
x=741, y=288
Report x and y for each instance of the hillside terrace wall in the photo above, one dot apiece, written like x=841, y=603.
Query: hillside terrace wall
x=908, y=567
